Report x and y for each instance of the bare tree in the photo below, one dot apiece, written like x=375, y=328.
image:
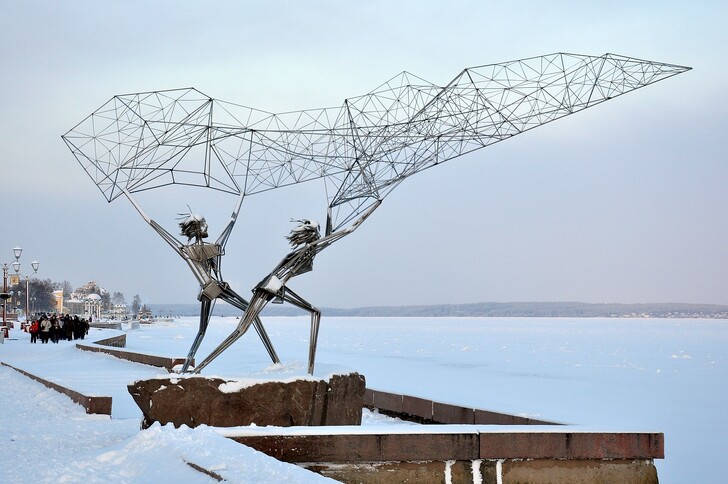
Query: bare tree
x=136, y=305
x=118, y=298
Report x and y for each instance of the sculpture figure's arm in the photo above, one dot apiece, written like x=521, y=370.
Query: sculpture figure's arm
x=166, y=236
x=300, y=260
x=201, y=273
x=222, y=240
x=329, y=239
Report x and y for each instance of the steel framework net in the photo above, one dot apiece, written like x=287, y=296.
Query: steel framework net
x=362, y=149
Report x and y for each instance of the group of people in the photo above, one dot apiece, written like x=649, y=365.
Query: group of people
x=55, y=328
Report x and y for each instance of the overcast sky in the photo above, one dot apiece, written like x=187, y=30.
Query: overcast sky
x=624, y=202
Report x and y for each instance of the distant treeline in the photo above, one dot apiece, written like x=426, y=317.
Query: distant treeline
x=485, y=309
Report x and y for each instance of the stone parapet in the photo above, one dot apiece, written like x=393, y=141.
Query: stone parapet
x=113, y=346
x=380, y=447
x=467, y=455
x=92, y=404
x=118, y=341
x=421, y=410
x=456, y=444
x=106, y=325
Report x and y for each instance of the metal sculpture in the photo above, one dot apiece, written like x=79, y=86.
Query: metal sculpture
x=362, y=150
x=205, y=261
x=307, y=244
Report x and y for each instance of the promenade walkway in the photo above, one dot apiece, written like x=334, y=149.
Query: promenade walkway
x=92, y=374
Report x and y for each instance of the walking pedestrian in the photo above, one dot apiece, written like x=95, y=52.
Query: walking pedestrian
x=45, y=329
x=33, y=330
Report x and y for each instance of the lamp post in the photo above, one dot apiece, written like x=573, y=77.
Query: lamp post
x=4, y=295
x=34, y=265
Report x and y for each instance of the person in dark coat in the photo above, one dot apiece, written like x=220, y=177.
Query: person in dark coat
x=67, y=327
x=77, y=327
x=55, y=329
x=84, y=327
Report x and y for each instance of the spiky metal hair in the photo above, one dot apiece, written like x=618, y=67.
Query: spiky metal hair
x=306, y=232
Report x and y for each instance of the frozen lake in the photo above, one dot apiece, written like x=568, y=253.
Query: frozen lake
x=665, y=375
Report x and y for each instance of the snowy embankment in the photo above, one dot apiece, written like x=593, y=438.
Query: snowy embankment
x=610, y=374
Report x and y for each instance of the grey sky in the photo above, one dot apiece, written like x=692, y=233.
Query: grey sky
x=624, y=202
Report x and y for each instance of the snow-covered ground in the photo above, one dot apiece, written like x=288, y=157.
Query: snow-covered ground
x=612, y=374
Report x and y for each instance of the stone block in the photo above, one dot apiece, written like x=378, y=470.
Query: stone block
x=425, y=472
x=486, y=417
x=579, y=471
x=217, y=402
x=523, y=445
x=383, y=472
x=418, y=407
x=571, y=445
x=368, y=397
x=350, y=448
x=389, y=402
x=618, y=445
x=452, y=414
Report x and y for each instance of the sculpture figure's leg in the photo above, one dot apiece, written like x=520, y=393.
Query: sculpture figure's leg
x=257, y=303
x=205, y=309
x=234, y=299
x=296, y=300
x=315, y=321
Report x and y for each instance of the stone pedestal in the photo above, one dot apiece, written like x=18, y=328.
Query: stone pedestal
x=217, y=402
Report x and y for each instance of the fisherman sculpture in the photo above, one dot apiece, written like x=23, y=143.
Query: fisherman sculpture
x=307, y=245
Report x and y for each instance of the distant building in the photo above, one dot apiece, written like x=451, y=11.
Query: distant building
x=89, y=288
x=86, y=301
x=118, y=312
x=92, y=306
x=144, y=313
x=58, y=302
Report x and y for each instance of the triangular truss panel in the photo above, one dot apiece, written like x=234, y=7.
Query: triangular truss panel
x=363, y=149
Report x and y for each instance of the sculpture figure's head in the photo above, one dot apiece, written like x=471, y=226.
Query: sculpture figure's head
x=193, y=227
x=306, y=232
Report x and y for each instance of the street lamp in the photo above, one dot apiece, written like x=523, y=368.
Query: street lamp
x=4, y=295
x=16, y=266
